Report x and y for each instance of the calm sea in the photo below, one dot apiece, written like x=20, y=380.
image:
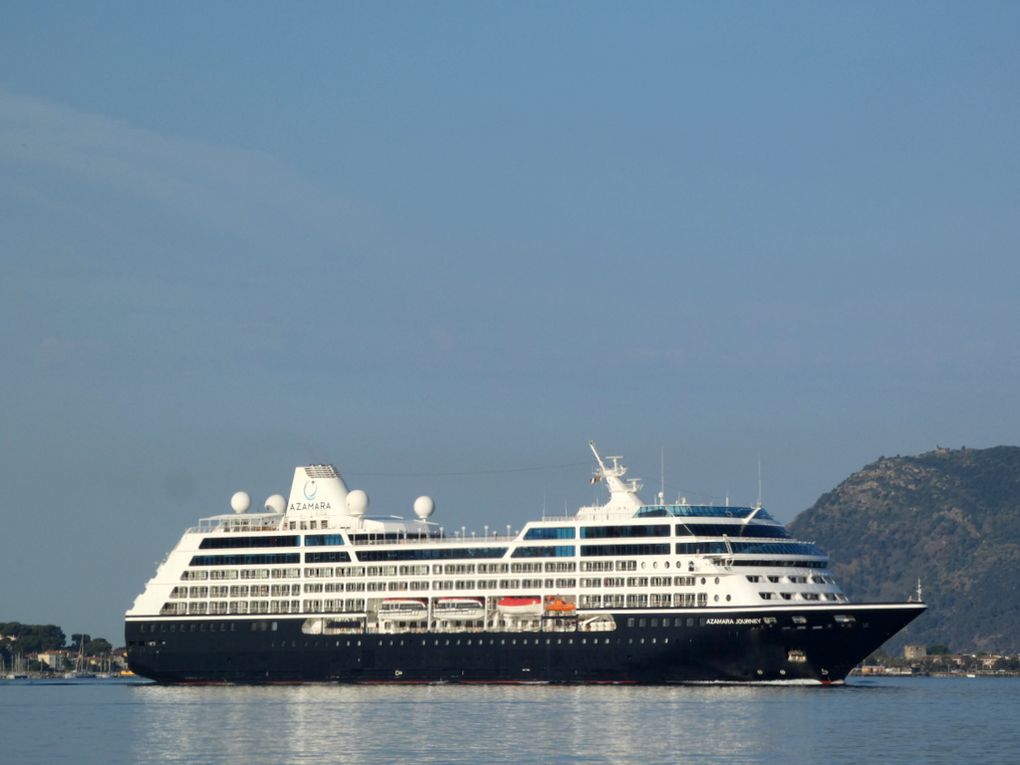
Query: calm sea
x=910, y=720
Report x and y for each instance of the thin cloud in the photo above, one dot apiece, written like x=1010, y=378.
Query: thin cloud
x=238, y=192
x=442, y=339
x=54, y=351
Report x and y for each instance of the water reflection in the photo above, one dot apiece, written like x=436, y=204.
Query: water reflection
x=441, y=724
x=514, y=724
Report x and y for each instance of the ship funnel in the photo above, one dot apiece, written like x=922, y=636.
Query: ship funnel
x=318, y=488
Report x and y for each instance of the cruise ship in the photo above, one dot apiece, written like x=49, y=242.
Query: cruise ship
x=314, y=589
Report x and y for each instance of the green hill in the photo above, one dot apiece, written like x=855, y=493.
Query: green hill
x=948, y=517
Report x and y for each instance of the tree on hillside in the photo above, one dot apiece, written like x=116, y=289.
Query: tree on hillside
x=31, y=638
x=97, y=647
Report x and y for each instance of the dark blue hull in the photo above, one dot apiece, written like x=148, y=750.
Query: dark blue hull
x=819, y=643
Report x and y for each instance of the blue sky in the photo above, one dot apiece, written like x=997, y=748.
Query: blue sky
x=427, y=242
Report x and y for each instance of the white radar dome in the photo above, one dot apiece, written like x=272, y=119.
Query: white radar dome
x=357, y=502
x=276, y=504
x=240, y=502
x=424, y=507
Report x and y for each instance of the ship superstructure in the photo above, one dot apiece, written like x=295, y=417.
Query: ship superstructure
x=314, y=589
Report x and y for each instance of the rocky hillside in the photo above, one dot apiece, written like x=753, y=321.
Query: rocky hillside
x=950, y=517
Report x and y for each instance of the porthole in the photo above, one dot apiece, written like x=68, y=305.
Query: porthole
x=717, y=580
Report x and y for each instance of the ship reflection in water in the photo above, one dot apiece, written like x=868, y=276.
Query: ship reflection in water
x=570, y=724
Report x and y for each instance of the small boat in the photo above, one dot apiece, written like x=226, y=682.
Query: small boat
x=81, y=669
x=558, y=605
x=403, y=609
x=529, y=605
x=458, y=609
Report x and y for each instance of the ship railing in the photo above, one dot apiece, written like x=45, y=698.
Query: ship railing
x=607, y=515
x=469, y=537
x=205, y=527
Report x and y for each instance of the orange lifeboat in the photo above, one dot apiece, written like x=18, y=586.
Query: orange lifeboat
x=558, y=605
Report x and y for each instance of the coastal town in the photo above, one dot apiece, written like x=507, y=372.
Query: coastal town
x=29, y=651
x=938, y=661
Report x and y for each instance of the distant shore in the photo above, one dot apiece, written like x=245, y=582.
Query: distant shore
x=906, y=672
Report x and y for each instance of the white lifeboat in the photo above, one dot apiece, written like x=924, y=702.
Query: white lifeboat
x=403, y=610
x=528, y=605
x=458, y=609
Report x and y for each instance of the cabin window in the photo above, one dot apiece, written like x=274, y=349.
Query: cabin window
x=624, y=549
x=615, y=532
x=550, y=532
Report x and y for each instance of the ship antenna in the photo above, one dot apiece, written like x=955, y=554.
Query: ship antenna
x=662, y=476
x=598, y=459
x=759, y=479
x=920, y=593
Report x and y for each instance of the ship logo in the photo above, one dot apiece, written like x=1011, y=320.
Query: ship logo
x=311, y=489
